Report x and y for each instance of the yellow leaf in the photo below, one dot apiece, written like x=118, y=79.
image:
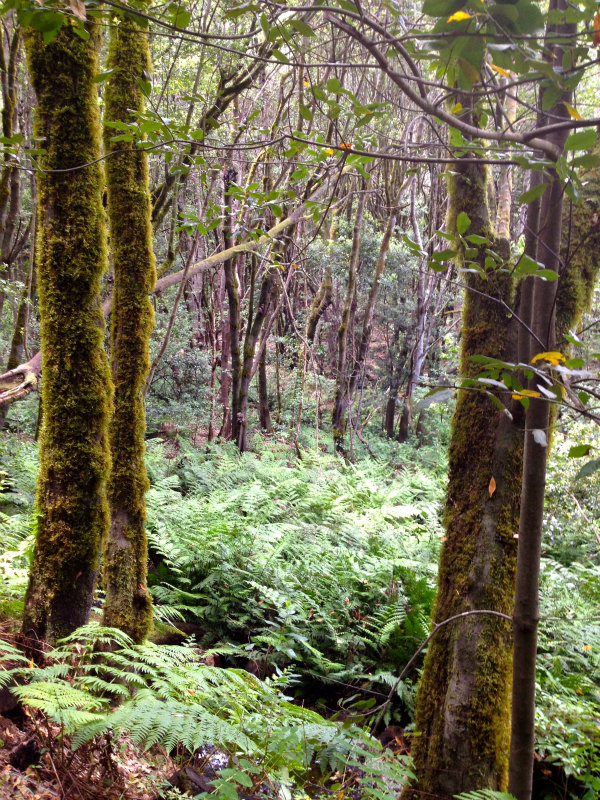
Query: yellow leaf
x=459, y=16
x=329, y=151
x=492, y=486
x=525, y=393
x=572, y=111
x=553, y=357
x=501, y=71
x=587, y=647
x=456, y=109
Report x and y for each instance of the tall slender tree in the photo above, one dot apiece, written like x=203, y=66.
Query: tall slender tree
x=128, y=603
x=71, y=258
x=463, y=706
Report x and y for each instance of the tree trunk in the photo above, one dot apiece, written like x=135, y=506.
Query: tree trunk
x=233, y=296
x=321, y=303
x=462, y=714
x=264, y=415
x=538, y=423
x=71, y=256
x=340, y=403
x=367, y=328
x=128, y=604
x=249, y=347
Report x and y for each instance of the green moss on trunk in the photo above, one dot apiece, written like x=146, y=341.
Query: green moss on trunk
x=463, y=706
x=579, y=255
x=71, y=258
x=128, y=603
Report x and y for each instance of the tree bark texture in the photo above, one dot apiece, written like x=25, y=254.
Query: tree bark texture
x=463, y=704
x=254, y=327
x=233, y=297
x=538, y=424
x=340, y=402
x=71, y=257
x=320, y=304
x=128, y=604
x=367, y=329
x=264, y=415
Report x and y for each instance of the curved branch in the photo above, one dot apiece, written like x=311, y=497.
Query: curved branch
x=531, y=139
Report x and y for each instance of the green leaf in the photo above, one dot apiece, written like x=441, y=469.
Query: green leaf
x=475, y=238
x=547, y=274
x=533, y=194
x=527, y=266
x=302, y=27
x=102, y=76
x=280, y=57
x=243, y=779
x=462, y=222
x=305, y=112
x=182, y=18
x=530, y=18
x=587, y=161
x=347, y=5
x=264, y=24
x=575, y=363
x=581, y=140
x=588, y=469
x=550, y=97
x=442, y=8
x=579, y=450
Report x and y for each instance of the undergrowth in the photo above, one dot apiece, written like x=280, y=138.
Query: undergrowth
x=317, y=576
x=304, y=562
x=96, y=685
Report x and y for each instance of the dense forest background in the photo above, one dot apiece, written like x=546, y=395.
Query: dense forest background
x=299, y=481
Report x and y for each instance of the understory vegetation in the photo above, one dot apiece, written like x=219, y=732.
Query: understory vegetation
x=292, y=593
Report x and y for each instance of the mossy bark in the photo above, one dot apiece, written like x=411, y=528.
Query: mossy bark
x=320, y=304
x=128, y=603
x=71, y=258
x=579, y=254
x=463, y=706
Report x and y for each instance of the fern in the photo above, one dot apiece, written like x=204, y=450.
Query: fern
x=168, y=695
x=323, y=566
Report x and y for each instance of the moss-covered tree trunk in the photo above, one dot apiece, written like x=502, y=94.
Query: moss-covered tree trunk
x=463, y=706
x=320, y=304
x=128, y=603
x=71, y=258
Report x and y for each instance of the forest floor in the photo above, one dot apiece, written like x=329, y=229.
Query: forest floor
x=265, y=518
